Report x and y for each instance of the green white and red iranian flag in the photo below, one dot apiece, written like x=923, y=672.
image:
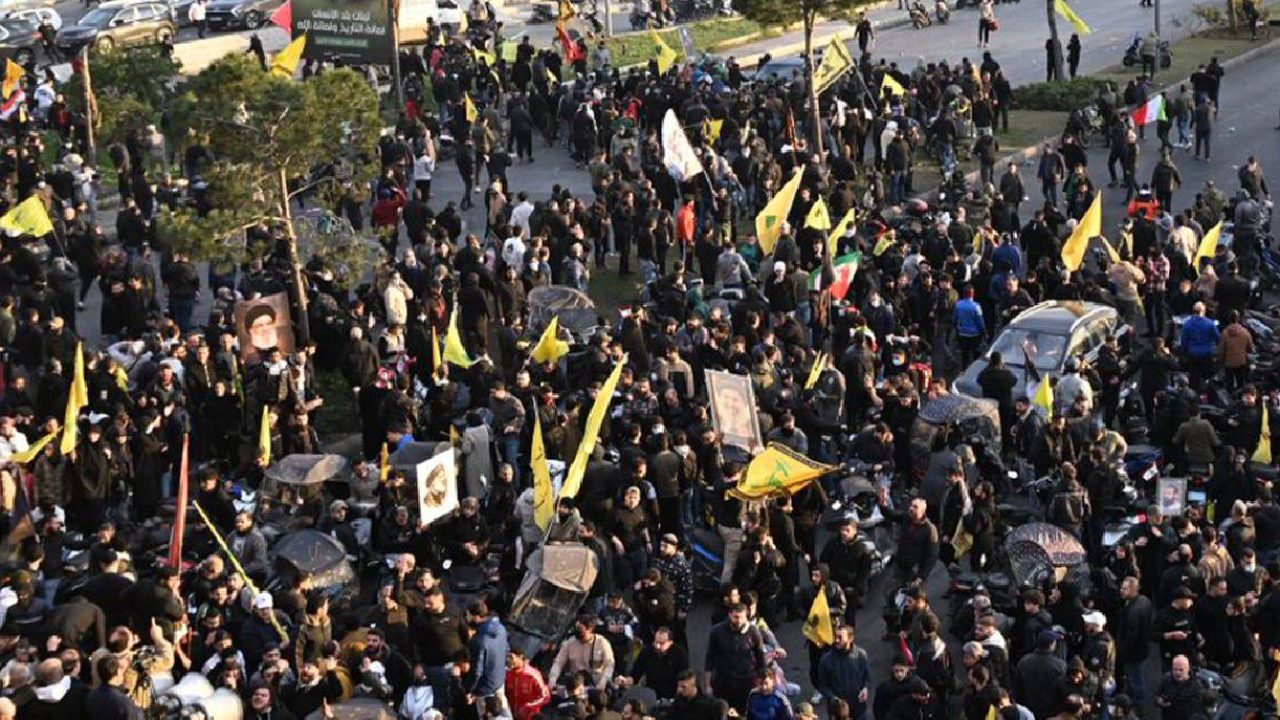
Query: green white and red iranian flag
x=845, y=267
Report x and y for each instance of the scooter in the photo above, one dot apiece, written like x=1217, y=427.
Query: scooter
x=942, y=11
x=1133, y=54
x=919, y=17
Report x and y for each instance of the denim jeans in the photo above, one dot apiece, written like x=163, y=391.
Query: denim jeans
x=948, y=158
x=509, y=450
x=1135, y=683
x=1184, y=129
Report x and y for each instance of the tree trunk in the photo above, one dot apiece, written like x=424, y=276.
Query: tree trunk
x=815, y=116
x=1056, y=58
x=1233, y=19
x=295, y=264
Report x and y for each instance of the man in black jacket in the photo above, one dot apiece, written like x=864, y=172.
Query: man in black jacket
x=850, y=564
x=1133, y=634
x=1039, y=675
x=109, y=701
x=692, y=704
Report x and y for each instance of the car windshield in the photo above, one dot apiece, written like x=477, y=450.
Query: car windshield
x=20, y=26
x=98, y=18
x=1046, y=350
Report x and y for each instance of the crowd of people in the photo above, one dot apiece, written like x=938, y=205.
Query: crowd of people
x=96, y=621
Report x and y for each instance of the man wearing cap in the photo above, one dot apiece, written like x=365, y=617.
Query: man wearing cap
x=1097, y=649
x=1176, y=626
x=258, y=631
x=1039, y=675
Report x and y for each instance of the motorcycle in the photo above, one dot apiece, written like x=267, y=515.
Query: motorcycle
x=1133, y=54
x=855, y=499
x=942, y=11
x=919, y=16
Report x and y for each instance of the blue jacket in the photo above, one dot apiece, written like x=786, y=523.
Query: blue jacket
x=768, y=707
x=968, y=319
x=1200, y=337
x=488, y=658
x=1009, y=253
x=844, y=675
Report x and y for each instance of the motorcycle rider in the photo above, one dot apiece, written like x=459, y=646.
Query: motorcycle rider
x=850, y=564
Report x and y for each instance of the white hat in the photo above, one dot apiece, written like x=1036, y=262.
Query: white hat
x=263, y=602
x=779, y=266
x=1095, y=618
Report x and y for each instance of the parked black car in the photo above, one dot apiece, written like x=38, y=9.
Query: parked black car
x=233, y=14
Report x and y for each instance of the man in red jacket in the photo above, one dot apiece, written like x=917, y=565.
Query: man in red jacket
x=527, y=692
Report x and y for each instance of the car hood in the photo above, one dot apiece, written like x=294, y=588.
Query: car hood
x=226, y=6
x=78, y=31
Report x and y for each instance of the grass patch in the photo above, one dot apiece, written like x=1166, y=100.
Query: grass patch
x=708, y=36
x=609, y=291
x=339, y=414
x=1028, y=127
x=1188, y=54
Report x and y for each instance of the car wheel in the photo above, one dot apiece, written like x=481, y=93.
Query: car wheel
x=253, y=20
x=105, y=44
x=164, y=35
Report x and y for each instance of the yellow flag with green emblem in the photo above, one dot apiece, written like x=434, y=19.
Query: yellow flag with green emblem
x=713, y=129
x=842, y=227
x=1208, y=247
x=1044, y=397
x=818, y=217
x=818, y=626
x=835, y=62
x=599, y=410
x=28, y=218
x=77, y=398
x=550, y=348
x=1089, y=227
x=778, y=470
x=775, y=212
x=544, y=501
x=454, y=351
x=469, y=108
x=264, y=436
x=889, y=82
x=665, y=56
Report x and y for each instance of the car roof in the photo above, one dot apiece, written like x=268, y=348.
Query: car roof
x=121, y=4
x=1060, y=316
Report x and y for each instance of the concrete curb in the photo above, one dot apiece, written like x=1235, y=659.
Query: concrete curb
x=1031, y=151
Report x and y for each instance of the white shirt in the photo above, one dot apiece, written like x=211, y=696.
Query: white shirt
x=513, y=251
x=15, y=443
x=423, y=166
x=196, y=12
x=520, y=217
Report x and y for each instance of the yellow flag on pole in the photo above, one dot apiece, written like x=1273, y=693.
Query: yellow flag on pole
x=842, y=227
x=77, y=398
x=13, y=74
x=818, y=217
x=1208, y=247
x=264, y=436
x=889, y=82
x=1044, y=397
x=436, y=363
x=885, y=242
x=1111, y=250
x=991, y=713
x=384, y=463
x=544, y=502
x=28, y=217
x=665, y=56
x=454, y=351
x=1275, y=689
x=778, y=470
x=1262, y=455
x=775, y=212
x=550, y=348
x=32, y=451
x=1089, y=227
x=469, y=108
x=713, y=129
x=1070, y=16
x=596, y=418
x=285, y=63
x=815, y=372
x=835, y=62
x=817, y=625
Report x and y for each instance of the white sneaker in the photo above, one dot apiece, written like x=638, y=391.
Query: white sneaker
x=815, y=698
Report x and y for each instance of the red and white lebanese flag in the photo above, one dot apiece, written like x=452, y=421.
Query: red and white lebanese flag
x=1151, y=112
x=10, y=106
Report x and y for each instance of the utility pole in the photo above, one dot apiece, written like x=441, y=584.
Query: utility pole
x=1157, y=24
x=393, y=9
x=608, y=19
x=88, y=107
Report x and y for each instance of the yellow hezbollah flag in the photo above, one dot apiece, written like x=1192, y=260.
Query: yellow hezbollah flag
x=1044, y=397
x=842, y=227
x=285, y=63
x=384, y=463
x=818, y=217
x=769, y=221
x=510, y=50
x=76, y=400
x=573, y=479
x=835, y=62
x=818, y=626
x=13, y=74
x=549, y=347
x=713, y=129
x=485, y=55
x=469, y=108
x=29, y=218
x=1262, y=455
x=665, y=55
x=454, y=438
x=991, y=713
x=815, y=372
x=894, y=85
x=961, y=541
x=884, y=243
x=264, y=436
x=32, y=451
x=1089, y=227
x=1207, y=249
x=778, y=470
x=1070, y=16
x=1111, y=251
x=454, y=351
x=543, y=493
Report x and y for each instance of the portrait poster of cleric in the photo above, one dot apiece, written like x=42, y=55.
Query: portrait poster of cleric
x=733, y=410
x=437, y=486
x=262, y=325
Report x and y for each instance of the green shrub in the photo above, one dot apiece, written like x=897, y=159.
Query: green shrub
x=1063, y=96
